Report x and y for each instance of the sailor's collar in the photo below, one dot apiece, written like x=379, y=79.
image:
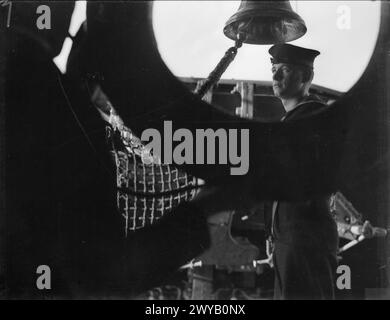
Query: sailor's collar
x=305, y=100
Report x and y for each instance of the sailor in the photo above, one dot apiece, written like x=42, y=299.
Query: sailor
x=303, y=233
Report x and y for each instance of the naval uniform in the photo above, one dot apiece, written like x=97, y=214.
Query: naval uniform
x=304, y=236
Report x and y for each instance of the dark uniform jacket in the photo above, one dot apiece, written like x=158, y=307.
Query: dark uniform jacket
x=306, y=223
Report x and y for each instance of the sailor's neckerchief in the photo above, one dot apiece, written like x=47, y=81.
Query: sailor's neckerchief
x=305, y=100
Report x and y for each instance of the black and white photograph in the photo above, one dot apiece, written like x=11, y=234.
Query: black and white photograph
x=195, y=150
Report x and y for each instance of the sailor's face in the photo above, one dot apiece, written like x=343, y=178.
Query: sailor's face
x=286, y=80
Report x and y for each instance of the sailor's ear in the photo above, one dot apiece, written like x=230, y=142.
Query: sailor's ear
x=307, y=74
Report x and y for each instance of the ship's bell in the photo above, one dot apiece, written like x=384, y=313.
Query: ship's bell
x=265, y=22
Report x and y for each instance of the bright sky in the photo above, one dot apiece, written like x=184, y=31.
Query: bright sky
x=78, y=17
x=191, y=40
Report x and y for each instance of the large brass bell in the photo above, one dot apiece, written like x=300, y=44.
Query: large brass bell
x=265, y=22
x=256, y=22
